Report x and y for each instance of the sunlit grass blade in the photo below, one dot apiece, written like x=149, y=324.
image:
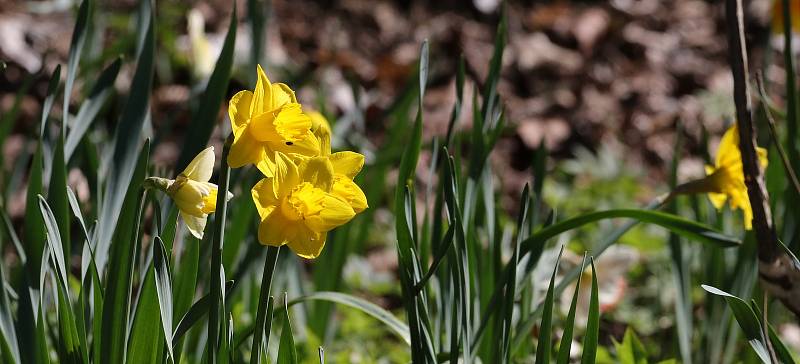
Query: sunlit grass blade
x=163, y=282
x=127, y=139
x=100, y=93
x=79, y=34
x=544, y=347
x=69, y=343
x=54, y=242
x=746, y=319
x=686, y=228
x=569, y=324
x=119, y=281
x=287, y=353
x=591, y=337
x=57, y=196
x=369, y=308
x=205, y=117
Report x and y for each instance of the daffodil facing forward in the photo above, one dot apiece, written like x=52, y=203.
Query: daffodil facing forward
x=191, y=191
x=346, y=164
x=268, y=120
x=301, y=202
x=724, y=181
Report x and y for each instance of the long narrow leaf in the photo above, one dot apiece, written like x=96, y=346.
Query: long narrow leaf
x=287, y=353
x=593, y=323
x=89, y=109
x=127, y=139
x=163, y=289
x=79, y=34
x=369, y=308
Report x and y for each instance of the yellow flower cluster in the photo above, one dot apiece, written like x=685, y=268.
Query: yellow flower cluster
x=307, y=191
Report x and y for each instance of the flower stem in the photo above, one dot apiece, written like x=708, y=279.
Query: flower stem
x=216, y=288
x=263, y=297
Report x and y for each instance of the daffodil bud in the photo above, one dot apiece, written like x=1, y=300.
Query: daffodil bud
x=191, y=191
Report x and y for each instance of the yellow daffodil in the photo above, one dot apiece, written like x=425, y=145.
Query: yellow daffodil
x=191, y=191
x=725, y=180
x=266, y=121
x=777, y=15
x=302, y=201
x=346, y=164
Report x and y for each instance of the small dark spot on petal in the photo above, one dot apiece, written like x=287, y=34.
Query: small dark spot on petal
x=289, y=143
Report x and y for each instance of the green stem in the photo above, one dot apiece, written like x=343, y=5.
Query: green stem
x=216, y=255
x=263, y=297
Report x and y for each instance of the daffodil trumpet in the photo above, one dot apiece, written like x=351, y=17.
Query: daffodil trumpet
x=195, y=197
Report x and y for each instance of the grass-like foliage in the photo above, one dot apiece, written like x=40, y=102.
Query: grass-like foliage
x=158, y=266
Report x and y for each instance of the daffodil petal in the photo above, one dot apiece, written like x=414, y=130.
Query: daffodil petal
x=262, y=95
x=239, y=110
x=334, y=212
x=728, y=150
x=286, y=176
x=282, y=94
x=318, y=171
x=307, y=244
x=307, y=145
x=347, y=190
x=201, y=167
x=195, y=224
x=264, y=197
x=245, y=150
x=291, y=123
x=267, y=165
x=274, y=229
x=347, y=163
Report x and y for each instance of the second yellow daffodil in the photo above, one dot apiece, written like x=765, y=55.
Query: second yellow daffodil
x=725, y=178
x=268, y=120
x=301, y=202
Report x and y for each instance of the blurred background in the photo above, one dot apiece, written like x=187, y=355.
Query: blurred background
x=612, y=75
x=607, y=86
